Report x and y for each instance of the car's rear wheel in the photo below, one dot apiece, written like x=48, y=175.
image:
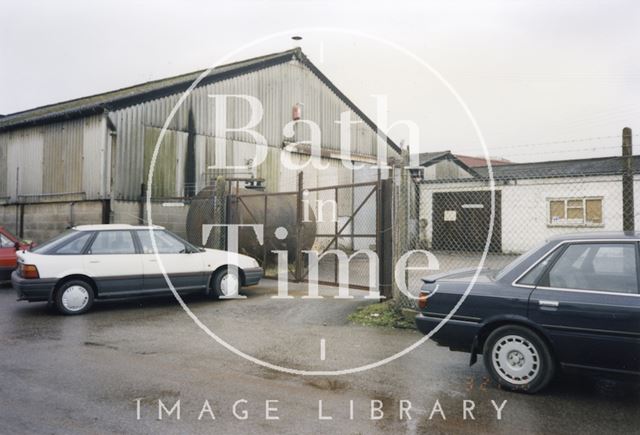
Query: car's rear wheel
x=518, y=359
x=225, y=283
x=74, y=297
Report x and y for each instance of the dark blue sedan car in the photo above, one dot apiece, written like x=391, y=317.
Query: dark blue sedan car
x=572, y=303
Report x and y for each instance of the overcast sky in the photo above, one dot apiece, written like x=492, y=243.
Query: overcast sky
x=531, y=72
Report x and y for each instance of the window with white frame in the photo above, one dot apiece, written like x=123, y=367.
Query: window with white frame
x=585, y=211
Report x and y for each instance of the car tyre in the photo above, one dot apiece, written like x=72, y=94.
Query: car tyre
x=225, y=282
x=74, y=297
x=518, y=359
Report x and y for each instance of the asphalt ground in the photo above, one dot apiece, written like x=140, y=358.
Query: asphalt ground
x=87, y=374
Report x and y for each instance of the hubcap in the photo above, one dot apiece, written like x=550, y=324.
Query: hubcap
x=75, y=298
x=229, y=284
x=515, y=359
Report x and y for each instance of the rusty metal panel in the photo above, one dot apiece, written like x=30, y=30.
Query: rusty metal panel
x=271, y=169
x=129, y=144
x=24, y=162
x=94, y=157
x=168, y=178
x=62, y=157
x=54, y=159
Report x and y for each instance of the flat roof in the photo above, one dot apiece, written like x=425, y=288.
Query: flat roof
x=559, y=168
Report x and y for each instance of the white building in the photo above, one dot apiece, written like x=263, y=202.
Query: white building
x=533, y=201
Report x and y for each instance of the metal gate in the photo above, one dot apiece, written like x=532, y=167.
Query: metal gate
x=346, y=220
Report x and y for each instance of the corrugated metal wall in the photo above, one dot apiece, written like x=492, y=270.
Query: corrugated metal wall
x=24, y=162
x=278, y=88
x=59, y=158
x=95, y=157
x=62, y=157
x=75, y=156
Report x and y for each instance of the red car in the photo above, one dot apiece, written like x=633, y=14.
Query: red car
x=9, y=244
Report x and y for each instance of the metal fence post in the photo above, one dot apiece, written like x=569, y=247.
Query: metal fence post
x=386, y=235
x=298, y=274
x=220, y=212
x=628, y=223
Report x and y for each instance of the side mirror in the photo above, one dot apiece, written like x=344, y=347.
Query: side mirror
x=17, y=246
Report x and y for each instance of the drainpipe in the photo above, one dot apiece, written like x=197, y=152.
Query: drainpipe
x=143, y=197
x=71, y=217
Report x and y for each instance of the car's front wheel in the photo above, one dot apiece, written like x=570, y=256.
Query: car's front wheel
x=518, y=359
x=226, y=283
x=74, y=297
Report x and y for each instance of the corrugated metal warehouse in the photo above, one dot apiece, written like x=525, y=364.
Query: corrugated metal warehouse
x=87, y=160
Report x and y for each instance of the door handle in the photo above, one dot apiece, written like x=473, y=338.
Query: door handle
x=153, y=261
x=550, y=304
x=94, y=261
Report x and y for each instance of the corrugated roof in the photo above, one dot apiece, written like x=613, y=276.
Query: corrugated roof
x=426, y=159
x=134, y=94
x=125, y=96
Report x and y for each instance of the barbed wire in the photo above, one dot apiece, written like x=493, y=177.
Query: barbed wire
x=570, y=151
x=554, y=142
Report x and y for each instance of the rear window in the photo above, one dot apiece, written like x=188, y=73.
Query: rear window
x=74, y=246
x=51, y=245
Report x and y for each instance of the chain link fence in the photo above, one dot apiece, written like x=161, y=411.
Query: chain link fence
x=505, y=212
x=463, y=217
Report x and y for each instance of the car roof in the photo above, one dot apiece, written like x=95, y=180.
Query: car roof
x=104, y=227
x=600, y=235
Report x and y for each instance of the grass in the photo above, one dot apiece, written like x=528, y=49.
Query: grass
x=385, y=314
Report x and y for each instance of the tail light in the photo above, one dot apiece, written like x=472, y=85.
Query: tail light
x=422, y=300
x=29, y=271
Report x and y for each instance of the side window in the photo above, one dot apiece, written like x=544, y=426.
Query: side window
x=166, y=243
x=533, y=276
x=113, y=242
x=5, y=242
x=596, y=266
x=75, y=246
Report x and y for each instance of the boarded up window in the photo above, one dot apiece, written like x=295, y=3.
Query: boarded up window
x=594, y=211
x=575, y=211
x=556, y=209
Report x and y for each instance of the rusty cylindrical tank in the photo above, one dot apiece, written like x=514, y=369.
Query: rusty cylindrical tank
x=249, y=208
